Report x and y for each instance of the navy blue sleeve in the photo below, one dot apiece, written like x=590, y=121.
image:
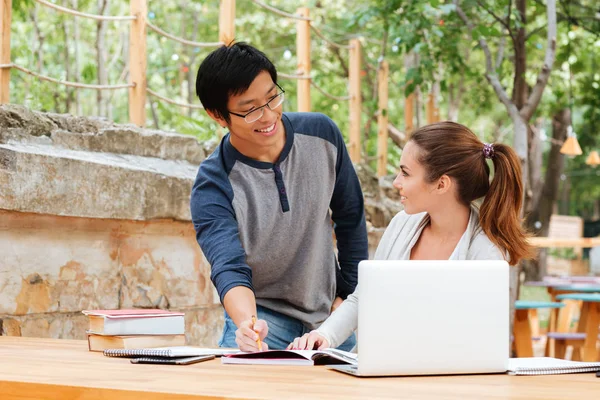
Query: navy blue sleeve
x=217, y=229
x=348, y=214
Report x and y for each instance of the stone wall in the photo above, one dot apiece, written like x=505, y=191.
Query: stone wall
x=96, y=215
x=53, y=267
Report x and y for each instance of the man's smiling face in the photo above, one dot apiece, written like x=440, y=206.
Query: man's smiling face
x=266, y=131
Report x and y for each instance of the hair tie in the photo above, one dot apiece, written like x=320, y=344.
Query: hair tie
x=488, y=150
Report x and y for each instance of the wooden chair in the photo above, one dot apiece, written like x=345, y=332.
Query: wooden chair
x=585, y=340
x=523, y=331
x=565, y=335
x=564, y=340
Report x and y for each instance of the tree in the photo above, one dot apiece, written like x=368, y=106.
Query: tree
x=522, y=105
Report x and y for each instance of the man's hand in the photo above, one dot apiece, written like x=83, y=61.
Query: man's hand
x=336, y=303
x=247, y=335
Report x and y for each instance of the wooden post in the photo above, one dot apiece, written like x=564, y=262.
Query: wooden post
x=227, y=21
x=137, y=63
x=436, y=94
x=409, y=101
x=409, y=126
x=303, y=57
x=355, y=100
x=430, y=108
x=5, y=20
x=382, y=120
x=522, y=334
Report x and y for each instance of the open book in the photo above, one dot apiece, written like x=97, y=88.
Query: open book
x=292, y=357
x=549, y=366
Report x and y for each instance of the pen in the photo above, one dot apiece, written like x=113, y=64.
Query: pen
x=257, y=340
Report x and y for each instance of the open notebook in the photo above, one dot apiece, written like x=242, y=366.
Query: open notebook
x=169, y=352
x=549, y=366
x=292, y=357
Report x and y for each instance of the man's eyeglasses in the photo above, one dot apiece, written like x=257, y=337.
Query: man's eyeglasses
x=257, y=113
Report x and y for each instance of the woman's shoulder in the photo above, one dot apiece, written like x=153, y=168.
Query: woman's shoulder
x=401, y=226
x=402, y=220
x=482, y=248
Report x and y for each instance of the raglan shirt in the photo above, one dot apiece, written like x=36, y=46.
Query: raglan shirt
x=268, y=226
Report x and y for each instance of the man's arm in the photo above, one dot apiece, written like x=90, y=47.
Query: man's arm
x=348, y=214
x=240, y=304
x=217, y=233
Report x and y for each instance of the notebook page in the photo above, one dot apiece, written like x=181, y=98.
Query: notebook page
x=183, y=351
x=549, y=365
x=170, y=352
x=266, y=361
x=292, y=357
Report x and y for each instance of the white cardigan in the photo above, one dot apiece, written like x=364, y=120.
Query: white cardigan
x=396, y=244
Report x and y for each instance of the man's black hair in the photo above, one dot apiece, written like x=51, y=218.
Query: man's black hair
x=229, y=70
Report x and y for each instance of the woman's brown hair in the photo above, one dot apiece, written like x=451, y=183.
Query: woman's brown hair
x=448, y=148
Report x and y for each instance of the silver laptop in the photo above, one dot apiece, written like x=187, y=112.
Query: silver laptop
x=432, y=318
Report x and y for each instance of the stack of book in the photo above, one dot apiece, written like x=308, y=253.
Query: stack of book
x=134, y=329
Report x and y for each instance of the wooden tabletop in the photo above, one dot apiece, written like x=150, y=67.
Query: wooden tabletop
x=579, y=288
x=32, y=368
x=564, y=242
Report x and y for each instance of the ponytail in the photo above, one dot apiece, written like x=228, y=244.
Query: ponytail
x=452, y=149
x=500, y=213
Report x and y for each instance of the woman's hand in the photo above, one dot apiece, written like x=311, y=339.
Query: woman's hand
x=310, y=341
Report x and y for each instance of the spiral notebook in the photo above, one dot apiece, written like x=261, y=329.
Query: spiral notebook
x=549, y=366
x=169, y=352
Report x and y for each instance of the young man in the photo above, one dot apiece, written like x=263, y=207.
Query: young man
x=263, y=203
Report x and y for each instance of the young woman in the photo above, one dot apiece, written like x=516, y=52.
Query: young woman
x=443, y=170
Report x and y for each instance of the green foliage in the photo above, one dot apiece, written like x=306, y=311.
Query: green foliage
x=563, y=253
x=580, y=49
x=389, y=29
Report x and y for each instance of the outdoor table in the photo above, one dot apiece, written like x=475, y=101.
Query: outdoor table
x=522, y=325
x=35, y=368
x=589, y=322
x=562, y=285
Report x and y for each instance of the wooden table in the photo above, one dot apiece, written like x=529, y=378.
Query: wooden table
x=32, y=368
x=539, y=241
x=522, y=327
x=562, y=285
x=589, y=322
x=578, y=288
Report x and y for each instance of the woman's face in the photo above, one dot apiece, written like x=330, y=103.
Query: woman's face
x=417, y=195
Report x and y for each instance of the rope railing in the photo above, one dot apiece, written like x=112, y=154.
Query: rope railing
x=288, y=76
x=199, y=107
x=170, y=101
x=138, y=57
x=181, y=40
x=301, y=18
x=338, y=98
x=331, y=42
x=86, y=15
x=279, y=12
x=67, y=83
